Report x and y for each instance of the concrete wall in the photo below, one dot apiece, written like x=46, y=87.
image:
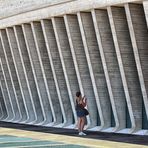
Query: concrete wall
x=51, y=51
x=145, y=5
x=9, y=8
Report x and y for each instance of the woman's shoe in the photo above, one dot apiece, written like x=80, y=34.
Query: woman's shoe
x=82, y=134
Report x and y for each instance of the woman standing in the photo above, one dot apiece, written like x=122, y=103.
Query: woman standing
x=81, y=102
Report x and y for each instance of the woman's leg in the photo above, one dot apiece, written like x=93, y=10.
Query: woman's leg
x=79, y=124
x=82, y=124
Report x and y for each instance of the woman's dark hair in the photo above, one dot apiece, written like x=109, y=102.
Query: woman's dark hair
x=78, y=94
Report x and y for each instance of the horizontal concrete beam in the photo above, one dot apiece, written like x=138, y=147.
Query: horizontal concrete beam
x=10, y=8
x=49, y=10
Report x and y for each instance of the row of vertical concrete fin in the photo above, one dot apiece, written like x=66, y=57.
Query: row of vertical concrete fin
x=102, y=52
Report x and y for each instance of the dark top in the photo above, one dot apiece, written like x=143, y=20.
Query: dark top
x=79, y=106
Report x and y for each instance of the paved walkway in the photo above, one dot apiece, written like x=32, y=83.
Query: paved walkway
x=28, y=136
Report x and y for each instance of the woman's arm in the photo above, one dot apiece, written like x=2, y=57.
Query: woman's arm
x=84, y=102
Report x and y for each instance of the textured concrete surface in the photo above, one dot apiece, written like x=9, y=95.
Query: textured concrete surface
x=102, y=52
x=45, y=10
x=145, y=5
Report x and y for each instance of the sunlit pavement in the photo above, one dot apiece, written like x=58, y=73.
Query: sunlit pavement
x=16, y=135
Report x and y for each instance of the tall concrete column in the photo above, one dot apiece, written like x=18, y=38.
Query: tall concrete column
x=97, y=17
x=6, y=95
x=121, y=75
x=145, y=6
x=49, y=72
x=1, y=112
x=60, y=73
x=74, y=21
x=94, y=94
x=4, y=113
x=111, y=68
x=67, y=62
x=67, y=65
x=139, y=34
x=129, y=72
x=51, y=48
x=30, y=47
x=10, y=76
x=15, y=56
x=23, y=74
x=44, y=62
x=39, y=79
x=95, y=68
x=3, y=102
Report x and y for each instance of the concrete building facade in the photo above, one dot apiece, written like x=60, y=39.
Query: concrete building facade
x=49, y=50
